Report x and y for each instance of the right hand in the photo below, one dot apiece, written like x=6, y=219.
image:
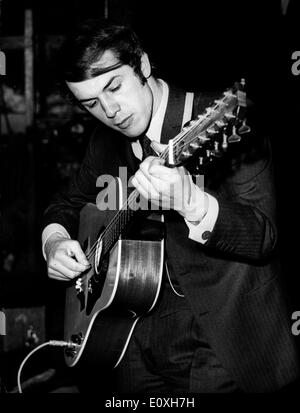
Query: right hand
x=65, y=258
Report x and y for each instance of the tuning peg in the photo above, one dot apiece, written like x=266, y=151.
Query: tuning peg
x=203, y=161
x=208, y=111
x=186, y=154
x=234, y=137
x=229, y=94
x=220, y=123
x=200, y=118
x=244, y=128
x=212, y=130
x=229, y=116
x=195, y=145
x=219, y=102
x=225, y=142
x=203, y=139
x=216, y=152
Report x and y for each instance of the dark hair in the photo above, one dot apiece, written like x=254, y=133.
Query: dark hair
x=87, y=43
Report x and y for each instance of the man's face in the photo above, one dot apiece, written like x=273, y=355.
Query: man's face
x=117, y=98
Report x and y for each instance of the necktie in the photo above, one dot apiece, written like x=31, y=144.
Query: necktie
x=146, y=148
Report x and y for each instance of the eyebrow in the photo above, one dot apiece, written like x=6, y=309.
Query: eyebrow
x=105, y=87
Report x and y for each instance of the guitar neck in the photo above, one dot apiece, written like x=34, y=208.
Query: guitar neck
x=205, y=138
x=120, y=222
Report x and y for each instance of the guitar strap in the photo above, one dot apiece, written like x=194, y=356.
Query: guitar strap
x=187, y=116
x=188, y=108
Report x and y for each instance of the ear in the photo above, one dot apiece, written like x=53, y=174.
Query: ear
x=145, y=66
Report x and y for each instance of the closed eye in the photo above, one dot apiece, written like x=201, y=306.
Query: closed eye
x=115, y=88
x=90, y=105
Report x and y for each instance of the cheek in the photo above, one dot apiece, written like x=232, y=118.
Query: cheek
x=144, y=104
x=99, y=114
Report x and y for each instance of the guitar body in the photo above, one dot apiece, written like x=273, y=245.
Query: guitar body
x=105, y=303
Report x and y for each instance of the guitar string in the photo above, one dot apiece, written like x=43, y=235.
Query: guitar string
x=194, y=132
x=129, y=201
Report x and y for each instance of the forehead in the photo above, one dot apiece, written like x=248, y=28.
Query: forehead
x=111, y=67
x=107, y=62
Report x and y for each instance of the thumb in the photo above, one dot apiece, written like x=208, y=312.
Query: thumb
x=158, y=147
x=78, y=253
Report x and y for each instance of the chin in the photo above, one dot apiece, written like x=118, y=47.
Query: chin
x=134, y=133
x=132, y=137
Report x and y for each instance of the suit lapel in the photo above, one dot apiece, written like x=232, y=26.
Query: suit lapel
x=129, y=158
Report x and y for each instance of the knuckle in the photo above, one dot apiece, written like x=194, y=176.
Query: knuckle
x=76, y=268
x=52, y=263
x=138, y=174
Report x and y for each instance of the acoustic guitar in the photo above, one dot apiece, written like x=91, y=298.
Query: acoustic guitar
x=125, y=246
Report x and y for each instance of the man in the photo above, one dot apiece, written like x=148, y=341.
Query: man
x=220, y=324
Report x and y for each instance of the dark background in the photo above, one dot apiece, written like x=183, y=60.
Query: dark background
x=204, y=45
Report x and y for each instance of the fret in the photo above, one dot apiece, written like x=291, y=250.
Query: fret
x=122, y=218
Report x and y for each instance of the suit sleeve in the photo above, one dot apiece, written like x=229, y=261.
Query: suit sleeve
x=246, y=223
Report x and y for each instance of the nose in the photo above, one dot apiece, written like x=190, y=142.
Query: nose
x=110, y=107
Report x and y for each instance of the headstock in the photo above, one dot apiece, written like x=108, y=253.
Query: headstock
x=209, y=135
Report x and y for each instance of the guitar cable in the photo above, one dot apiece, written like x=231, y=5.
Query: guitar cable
x=55, y=343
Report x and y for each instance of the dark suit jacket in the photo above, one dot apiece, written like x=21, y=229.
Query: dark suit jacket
x=231, y=282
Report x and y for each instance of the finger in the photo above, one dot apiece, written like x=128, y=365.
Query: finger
x=155, y=186
x=146, y=179
x=72, y=264
x=144, y=166
x=60, y=268
x=146, y=185
x=146, y=192
x=140, y=189
x=147, y=166
x=75, y=248
x=161, y=171
x=158, y=147
x=55, y=275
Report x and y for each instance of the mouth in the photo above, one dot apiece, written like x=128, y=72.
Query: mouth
x=125, y=123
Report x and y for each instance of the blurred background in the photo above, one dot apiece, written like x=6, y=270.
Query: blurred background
x=199, y=45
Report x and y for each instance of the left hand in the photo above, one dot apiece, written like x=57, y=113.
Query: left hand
x=169, y=188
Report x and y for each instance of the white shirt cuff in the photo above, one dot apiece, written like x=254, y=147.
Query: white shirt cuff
x=201, y=231
x=51, y=229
